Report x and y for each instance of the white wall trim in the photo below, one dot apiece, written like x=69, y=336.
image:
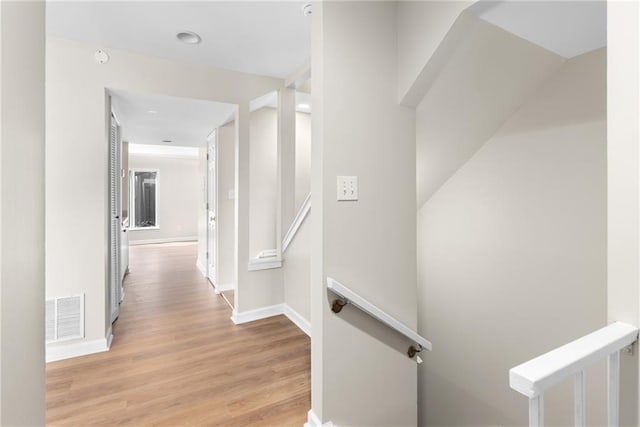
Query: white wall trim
x=297, y=222
x=224, y=287
x=297, y=319
x=273, y=310
x=257, y=314
x=79, y=348
x=256, y=264
x=314, y=421
x=201, y=267
x=165, y=240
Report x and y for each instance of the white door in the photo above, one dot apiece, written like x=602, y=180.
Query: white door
x=115, y=226
x=211, y=209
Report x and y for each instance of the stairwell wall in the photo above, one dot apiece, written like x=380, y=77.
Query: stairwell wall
x=512, y=255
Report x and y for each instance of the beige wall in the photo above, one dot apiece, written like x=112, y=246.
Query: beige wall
x=512, y=255
x=302, y=160
x=296, y=273
x=22, y=68
x=361, y=374
x=422, y=26
x=178, y=197
x=76, y=123
x=226, y=213
x=484, y=81
x=263, y=180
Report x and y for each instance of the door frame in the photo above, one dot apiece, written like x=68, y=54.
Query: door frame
x=212, y=205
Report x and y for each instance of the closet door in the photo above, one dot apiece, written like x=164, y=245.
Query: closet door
x=115, y=229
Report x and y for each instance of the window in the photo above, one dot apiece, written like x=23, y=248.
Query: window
x=144, y=198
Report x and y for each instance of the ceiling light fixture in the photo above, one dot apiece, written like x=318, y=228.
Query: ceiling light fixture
x=307, y=9
x=189, y=37
x=152, y=112
x=167, y=140
x=304, y=106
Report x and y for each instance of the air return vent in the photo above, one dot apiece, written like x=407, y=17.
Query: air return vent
x=64, y=318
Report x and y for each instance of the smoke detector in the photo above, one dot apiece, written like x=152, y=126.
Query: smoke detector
x=307, y=10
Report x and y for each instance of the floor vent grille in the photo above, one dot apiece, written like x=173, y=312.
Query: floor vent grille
x=64, y=318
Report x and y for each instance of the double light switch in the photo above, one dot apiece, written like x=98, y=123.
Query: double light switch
x=347, y=188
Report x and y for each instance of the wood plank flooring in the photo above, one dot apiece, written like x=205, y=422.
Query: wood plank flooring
x=177, y=359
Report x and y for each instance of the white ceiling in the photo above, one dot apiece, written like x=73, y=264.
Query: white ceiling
x=568, y=28
x=185, y=122
x=265, y=38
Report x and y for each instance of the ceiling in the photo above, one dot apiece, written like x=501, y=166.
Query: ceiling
x=567, y=28
x=150, y=119
x=264, y=38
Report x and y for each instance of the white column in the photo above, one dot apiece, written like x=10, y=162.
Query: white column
x=580, y=401
x=536, y=411
x=623, y=185
x=242, y=205
x=614, y=389
x=22, y=117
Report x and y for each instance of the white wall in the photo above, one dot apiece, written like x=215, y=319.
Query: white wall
x=226, y=213
x=22, y=371
x=263, y=180
x=623, y=180
x=178, y=194
x=76, y=123
x=361, y=374
x=512, y=255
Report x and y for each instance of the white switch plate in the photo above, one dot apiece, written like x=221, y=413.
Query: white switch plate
x=231, y=195
x=347, y=188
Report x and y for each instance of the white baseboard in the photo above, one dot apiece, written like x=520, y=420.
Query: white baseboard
x=297, y=319
x=165, y=240
x=224, y=287
x=76, y=349
x=273, y=310
x=314, y=421
x=257, y=264
x=201, y=267
x=257, y=314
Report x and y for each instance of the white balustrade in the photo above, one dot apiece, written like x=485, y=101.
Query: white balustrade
x=534, y=377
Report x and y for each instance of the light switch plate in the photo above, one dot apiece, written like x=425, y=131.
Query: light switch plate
x=231, y=195
x=347, y=188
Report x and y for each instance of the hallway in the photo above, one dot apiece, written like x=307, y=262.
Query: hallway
x=177, y=359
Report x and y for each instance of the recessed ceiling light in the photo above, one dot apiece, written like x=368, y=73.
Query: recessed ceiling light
x=304, y=106
x=152, y=112
x=167, y=140
x=189, y=37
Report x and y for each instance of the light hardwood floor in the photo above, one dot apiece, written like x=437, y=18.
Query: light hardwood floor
x=177, y=359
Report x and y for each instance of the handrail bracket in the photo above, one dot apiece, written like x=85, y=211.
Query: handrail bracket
x=413, y=350
x=338, y=304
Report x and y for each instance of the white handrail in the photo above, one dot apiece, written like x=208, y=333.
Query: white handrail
x=297, y=222
x=532, y=378
x=375, y=312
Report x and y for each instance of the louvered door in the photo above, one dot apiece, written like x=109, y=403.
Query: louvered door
x=115, y=281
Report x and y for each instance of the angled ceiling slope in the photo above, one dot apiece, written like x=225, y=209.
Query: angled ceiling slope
x=567, y=28
x=264, y=38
